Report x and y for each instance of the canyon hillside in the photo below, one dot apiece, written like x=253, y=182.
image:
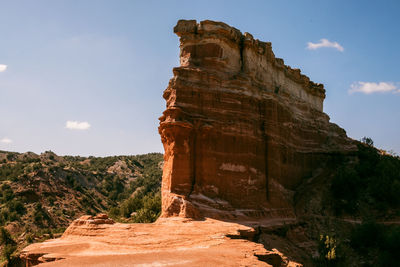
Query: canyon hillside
x=41, y=195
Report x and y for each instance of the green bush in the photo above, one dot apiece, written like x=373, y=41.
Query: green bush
x=5, y=237
x=345, y=189
x=145, y=216
x=10, y=156
x=11, y=171
x=40, y=215
x=327, y=248
x=147, y=208
x=6, y=193
x=9, y=245
x=130, y=205
x=17, y=206
x=367, y=235
x=370, y=236
x=29, y=238
x=8, y=250
x=373, y=180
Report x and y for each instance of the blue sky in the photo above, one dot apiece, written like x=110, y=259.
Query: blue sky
x=86, y=77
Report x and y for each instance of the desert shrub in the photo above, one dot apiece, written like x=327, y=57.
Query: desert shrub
x=151, y=209
x=29, y=160
x=145, y=216
x=327, y=248
x=5, y=237
x=367, y=235
x=13, y=208
x=10, y=156
x=101, y=164
x=112, y=187
x=8, y=250
x=153, y=203
x=11, y=171
x=130, y=205
x=51, y=200
x=384, y=184
x=143, y=194
x=368, y=141
x=40, y=215
x=147, y=208
x=29, y=238
x=373, y=180
x=6, y=193
x=389, y=255
x=17, y=206
x=5, y=216
x=9, y=245
x=37, y=166
x=73, y=182
x=372, y=237
x=345, y=189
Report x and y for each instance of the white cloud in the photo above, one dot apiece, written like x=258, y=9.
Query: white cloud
x=3, y=67
x=77, y=125
x=370, y=88
x=324, y=43
x=6, y=140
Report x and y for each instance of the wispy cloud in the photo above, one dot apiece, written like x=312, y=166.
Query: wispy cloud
x=6, y=140
x=370, y=87
x=77, y=125
x=324, y=43
x=3, y=67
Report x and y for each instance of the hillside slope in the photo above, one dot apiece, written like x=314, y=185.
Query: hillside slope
x=347, y=211
x=40, y=195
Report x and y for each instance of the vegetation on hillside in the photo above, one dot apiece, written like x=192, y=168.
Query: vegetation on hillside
x=141, y=200
x=368, y=187
x=378, y=243
x=371, y=182
x=40, y=195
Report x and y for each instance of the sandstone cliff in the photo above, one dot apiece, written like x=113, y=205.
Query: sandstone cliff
x=241, y=129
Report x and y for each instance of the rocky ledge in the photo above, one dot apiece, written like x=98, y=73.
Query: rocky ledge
x=94, y=241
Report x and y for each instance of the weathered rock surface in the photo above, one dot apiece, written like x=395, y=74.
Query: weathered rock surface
x=168, y=242
x=241, y=129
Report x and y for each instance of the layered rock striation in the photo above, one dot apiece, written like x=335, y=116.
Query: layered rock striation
x=241, y=129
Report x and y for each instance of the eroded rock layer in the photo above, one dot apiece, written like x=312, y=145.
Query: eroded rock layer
x=97, y=241
x=241, y=129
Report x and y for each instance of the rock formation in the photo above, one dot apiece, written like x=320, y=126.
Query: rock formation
x=241, y=129
x=97, y=241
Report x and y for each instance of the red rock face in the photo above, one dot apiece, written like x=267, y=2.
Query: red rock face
x=241, y=129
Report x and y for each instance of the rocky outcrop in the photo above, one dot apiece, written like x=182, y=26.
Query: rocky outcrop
x=241, y=129
x=94, y=241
